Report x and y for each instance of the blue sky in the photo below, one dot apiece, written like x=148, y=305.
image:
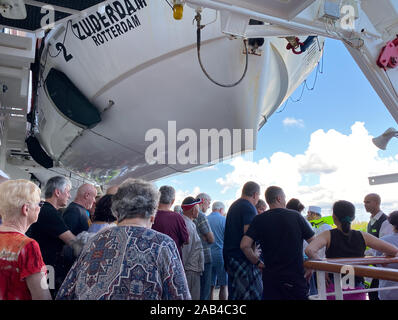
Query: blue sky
x=325, y=117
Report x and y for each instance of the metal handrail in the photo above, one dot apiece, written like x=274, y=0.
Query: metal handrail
x=365, y=260
x=360, y=265
x=360, y=268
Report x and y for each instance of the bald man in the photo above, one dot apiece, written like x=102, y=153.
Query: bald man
x=76, y=216
x=378, y=226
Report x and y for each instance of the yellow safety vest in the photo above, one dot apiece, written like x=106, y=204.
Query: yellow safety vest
x=317, y=223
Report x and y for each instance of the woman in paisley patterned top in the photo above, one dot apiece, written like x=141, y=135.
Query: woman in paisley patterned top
x=130, y=261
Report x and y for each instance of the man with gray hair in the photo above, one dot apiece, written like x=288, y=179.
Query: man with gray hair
x=218, y=275
x=177, y=208
x=261, y=206
x=207, y=237
x=50, y=230
x=170, y=222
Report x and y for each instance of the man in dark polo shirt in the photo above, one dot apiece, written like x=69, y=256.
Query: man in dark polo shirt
x=280, y=232
x=77, y=216
x=170, y=222
x=244, y=279
x=50, y=230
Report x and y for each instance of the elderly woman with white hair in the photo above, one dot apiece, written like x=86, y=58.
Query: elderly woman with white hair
x=22, y=270
x=130, y=261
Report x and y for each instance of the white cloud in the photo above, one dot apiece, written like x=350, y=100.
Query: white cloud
x=182, y=194
x=292, y=122
x=343, y=164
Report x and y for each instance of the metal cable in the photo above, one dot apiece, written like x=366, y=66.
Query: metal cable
x=198, y=42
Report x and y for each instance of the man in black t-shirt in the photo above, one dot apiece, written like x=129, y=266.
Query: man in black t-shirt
x=280, y=232
x=244, y=279
x=76, y=216
x=50, y=230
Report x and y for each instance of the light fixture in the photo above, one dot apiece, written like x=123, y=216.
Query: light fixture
x=178, y=9
x=382, y=141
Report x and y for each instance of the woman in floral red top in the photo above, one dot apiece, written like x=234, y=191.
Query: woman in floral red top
x=22, y=270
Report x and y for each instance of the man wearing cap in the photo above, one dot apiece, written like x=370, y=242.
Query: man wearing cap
x=192, y=253
x=314, y=214
x=318, y=226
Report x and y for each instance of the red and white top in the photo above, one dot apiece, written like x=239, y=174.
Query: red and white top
x=20, y=257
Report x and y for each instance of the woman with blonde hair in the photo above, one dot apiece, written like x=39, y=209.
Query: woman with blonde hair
x=22, y=270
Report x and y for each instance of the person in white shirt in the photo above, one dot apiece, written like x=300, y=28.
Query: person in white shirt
x=314, y=214
x=192, y=252
x=378, y=226
x=393, y=239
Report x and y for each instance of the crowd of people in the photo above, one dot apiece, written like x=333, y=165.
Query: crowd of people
x=135, y=242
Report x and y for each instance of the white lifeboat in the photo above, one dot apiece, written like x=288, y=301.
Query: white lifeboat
x=138, y=67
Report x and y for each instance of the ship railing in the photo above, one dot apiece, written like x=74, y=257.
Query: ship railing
x=345, y=269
